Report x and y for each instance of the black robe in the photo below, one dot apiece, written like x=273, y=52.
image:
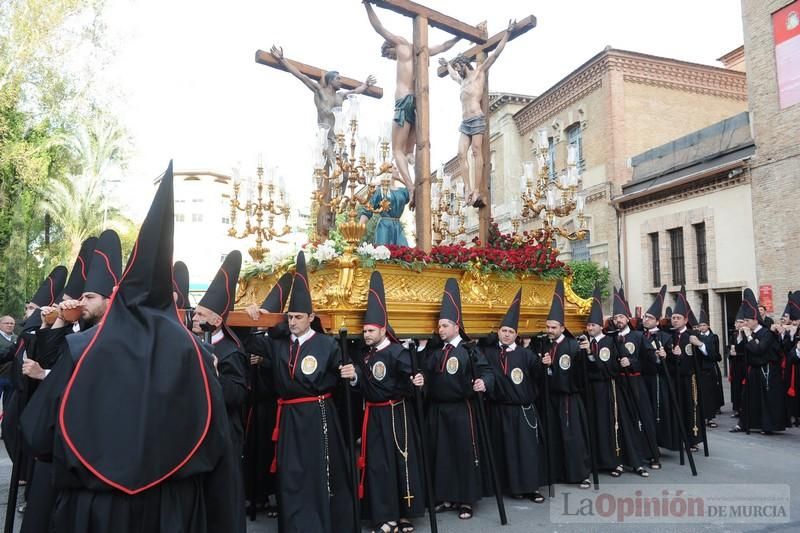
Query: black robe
x=737, y=373
x=313, y=471
x=259, y=449
x=567, y=424
x=387, y=477
x=711, y=376
x=617, y=437
x=763, y=404
x=42, y=494
x=198, y=498
x=654, y=372
x=232, y=366
x=684, y=378
x=639, y=352
x=454, y=439
x=516, y=427
x=792, y=373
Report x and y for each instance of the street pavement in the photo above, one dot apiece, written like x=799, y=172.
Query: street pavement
x=735, y=459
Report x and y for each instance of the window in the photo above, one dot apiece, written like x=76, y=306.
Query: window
x=180, y=217
x=702, y=259
x=574, y=139
x=226, y=220
x=678, y=263
x=197, y=200
x=580, y=249
x=703, y=303
x=197, y=217
x=655, y=259
x=551, y=159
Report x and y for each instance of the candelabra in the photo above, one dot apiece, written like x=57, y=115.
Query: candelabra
x=447, y=216
x=338, y=172
x=257, y=207
x=548, y=199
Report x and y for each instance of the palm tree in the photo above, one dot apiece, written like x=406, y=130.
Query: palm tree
x=78, y=206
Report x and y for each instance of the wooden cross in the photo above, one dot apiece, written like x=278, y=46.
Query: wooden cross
x=479, y=53
x=423, y=17
x=316, y=74
x=266, y=58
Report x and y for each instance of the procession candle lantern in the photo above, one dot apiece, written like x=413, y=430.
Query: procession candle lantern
x=543, y=141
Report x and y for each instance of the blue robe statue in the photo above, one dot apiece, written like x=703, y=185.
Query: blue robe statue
x=389, y=230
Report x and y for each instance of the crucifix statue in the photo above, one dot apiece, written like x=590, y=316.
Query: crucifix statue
x=420, y=52
x=330, y=89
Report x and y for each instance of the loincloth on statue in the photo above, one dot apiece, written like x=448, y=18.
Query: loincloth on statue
x=405, y=110
x=473, y=125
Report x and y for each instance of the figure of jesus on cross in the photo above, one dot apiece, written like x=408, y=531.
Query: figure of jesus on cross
x=473, y=124
x=398, y=49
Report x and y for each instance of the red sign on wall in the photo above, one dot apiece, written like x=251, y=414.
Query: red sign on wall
x=765, y=297
x=786, y=31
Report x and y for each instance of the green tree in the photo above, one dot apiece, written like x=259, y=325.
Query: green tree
x=587, y=274
x=39, y=100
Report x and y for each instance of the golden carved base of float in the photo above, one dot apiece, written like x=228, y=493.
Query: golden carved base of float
x=339, y=289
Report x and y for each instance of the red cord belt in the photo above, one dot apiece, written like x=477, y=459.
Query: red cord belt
x=276, y=431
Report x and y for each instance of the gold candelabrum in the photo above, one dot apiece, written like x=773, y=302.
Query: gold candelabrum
x=447, y=214
x=263, y=208
x=548, y=199
x=345, y=183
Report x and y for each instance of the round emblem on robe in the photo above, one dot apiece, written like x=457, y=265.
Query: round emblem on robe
x=379, y=370
x=309, y=365
x=630, y=347
x=605, y=354
x=517, y=376
x=452, y=365
x=564, y=362
x=689, y=349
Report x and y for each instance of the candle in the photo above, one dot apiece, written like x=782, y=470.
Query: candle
x=527, y=168
x=543, y=141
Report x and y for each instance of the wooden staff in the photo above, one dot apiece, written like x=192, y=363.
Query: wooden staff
x=423, y=436
x=485, y=441
x=350, y=448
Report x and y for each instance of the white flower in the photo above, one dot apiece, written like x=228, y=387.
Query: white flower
x=381, y=253
x=365, y=248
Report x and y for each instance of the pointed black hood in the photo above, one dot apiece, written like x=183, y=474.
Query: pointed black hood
x=300, y=301
x=77, y=278
x=105, y=266
x=681, y=304
x=222, y=292
x=620, y=306
x=276, y=299
x=703, y=318
x=749, y=305
x=794, y=306
x=377, y=314
x=138, y=405
x=557, y=305
x=511, y=320
x=51, y=288
x=596, y=313
x=658, y=304
x=180, y=284
x=451, y=305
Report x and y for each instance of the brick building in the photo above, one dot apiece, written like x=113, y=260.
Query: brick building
x=775, y=166
x=617, y=104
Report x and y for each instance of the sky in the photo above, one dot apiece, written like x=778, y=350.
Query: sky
x=190, y=90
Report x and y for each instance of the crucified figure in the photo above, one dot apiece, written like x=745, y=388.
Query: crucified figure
x=327, y=94
x=473, y=123
x=399, y=49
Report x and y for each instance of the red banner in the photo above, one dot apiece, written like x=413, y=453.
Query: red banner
x=786, y=32
x=765, y=297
